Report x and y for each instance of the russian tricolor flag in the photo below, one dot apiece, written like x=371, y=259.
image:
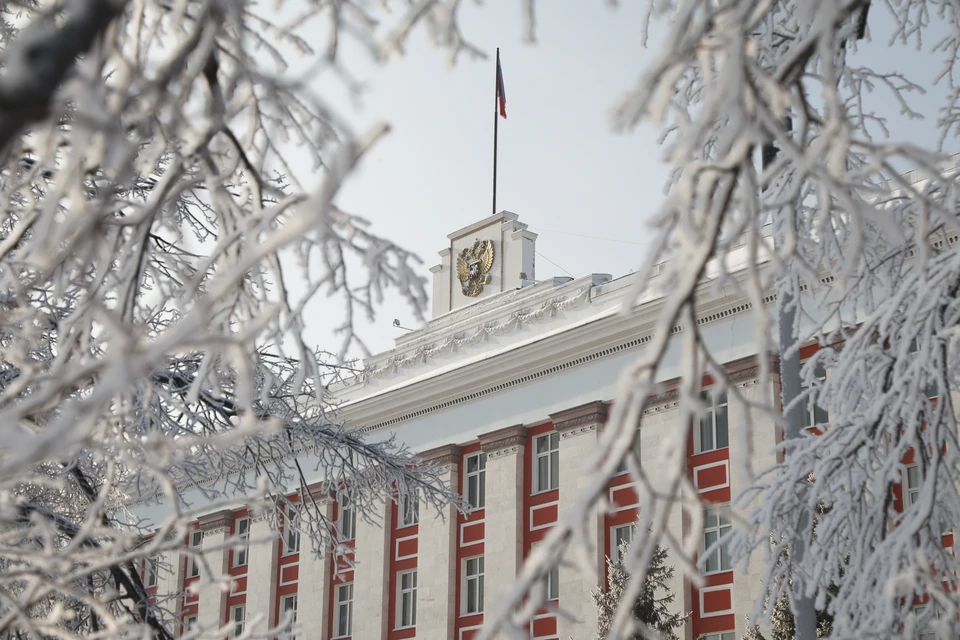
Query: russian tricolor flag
x=501, y=94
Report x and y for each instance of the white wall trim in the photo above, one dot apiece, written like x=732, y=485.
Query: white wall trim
x=555, y=503
x=714, y=614
x=396, y=550
x=712, y=465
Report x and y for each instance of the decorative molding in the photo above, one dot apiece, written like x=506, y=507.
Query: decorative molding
x=502, y=441
x=213, y=532
x=573, y=433
x=594, y=413
x=446, y=456
x=215, y=521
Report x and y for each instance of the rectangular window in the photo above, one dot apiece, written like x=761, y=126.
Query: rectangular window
x=913, y=484
x=242, y=531
x=813, y=414
x=726, y=635
x=291, y=531
x=410, y=511
x=196, y=542
x=347, y=524
x=635, y=452
x=473, y=585
x=713, y=422
x=407, y=594
x=476, y=468
x=343, y=615
x=620, y=536
x=289, y=608
x=151, y=571
x=926, y=632
x=237, y=615
x=715, y=526
x=547, y=463
x=189, y=623
x=553, y=583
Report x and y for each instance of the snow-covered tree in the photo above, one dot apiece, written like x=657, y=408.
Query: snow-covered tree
x=652, y=608
x=157, y=258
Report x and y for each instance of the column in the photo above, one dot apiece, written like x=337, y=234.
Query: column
x=313, y=589
x=261, y=572
x=578, y=429
x=503, y=542
x=170, y=570
x=661, y=435
x=370, y=582
x=752, y=439
x=437, y=560
x=213, y=595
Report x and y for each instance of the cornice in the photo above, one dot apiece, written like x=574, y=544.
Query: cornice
x=213, y=522
x=444, y=456
x=501, y=439
x=590, y=413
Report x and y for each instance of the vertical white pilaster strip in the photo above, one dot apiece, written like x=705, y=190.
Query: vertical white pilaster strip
x=213, y=596
x=313, y=594
x=261, y=574
x=370, y=584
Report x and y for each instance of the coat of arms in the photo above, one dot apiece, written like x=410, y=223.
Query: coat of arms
x=473, y=267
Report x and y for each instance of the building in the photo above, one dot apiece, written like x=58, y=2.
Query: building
x=505, y=387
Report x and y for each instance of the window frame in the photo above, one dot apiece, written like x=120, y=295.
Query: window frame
x=721, y=635
x=926, y=632
x=151, y=571
x=189, y=622
x=912, y=491
x=291, y=534
x=409, y=517
x=402, y=593
x=241, y=554
x=238, y=625
x=635, y=449
x=479, y=475
x=196, y=542
x=711, y=412
x=465, y=587
x=614, y=546
x=551, y=458
x=283, y=607
x=810, y=407
x=721, y=529
x=338, y=605
x=344, y=506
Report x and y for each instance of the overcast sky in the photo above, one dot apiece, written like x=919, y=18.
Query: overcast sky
x=584, y=189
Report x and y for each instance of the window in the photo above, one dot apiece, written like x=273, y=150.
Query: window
x=343, y=616
x=410, y=511
x=813, y=414
x=189, y=623
x=289, y=608
x=242, y=531
x=913, y=484
x=473, y=585
x=291, y=532
x=407, y=593
x=547, y=462
x=715, y=526
x=196, y=541
x=713, y=422
x=551, y=582
x=151, y=571
x=477, y=480
x=348, y=519
x=237, y=614
x=618, y=536
x=636, y=453
x=926, y=632
x=726, y=635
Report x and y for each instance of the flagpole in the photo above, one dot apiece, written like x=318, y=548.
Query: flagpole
x=496, y=81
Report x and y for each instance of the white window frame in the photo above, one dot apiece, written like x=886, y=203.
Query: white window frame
x=238, y=615
x=284, y=609
x=348, y=529
x=710, y=414
x=912, y=485
x=241, y=554
x=635, y=449
x=409, y=516
x=926, y=633
x=723, y=635
x=339, y=604
x=196, y=542
x=720, y=529
x=614, y=547
x=151, y=572
x=404, y=595
x=189, y=622
x=479, y=477
x=291, y=532
x=464, y=591
x=810, y=407
x=550, y=458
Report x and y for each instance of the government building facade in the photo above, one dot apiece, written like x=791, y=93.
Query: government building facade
x=506, y=388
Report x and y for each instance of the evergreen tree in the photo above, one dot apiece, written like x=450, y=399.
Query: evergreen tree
x=648, y=609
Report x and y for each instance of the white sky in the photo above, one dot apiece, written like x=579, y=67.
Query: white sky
x=560, y=167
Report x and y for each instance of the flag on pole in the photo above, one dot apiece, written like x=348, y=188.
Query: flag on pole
x=501, y=94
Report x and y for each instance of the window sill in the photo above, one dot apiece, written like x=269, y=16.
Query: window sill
x=468, y=615
x=716, y=572
x=406, y=526
x=409, y=626
x=542, y=491
x=712, y=450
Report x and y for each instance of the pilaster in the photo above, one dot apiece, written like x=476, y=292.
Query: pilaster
x=313, y=595
x=578, y=428
x=261, y=574
x=436, y=564
x=371, y=584
x=504, y=510
x=213, y=593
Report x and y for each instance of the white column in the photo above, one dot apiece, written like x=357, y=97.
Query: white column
x=213, y=596
x=752, y=439
x=661, y=428
x=578, y=428
x=436, y=562
x=261, y=574
x=370, y=581
x=169, y=580
x=313, y=594
x=503, y=538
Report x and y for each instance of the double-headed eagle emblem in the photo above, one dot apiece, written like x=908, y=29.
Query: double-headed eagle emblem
x=473, y=267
